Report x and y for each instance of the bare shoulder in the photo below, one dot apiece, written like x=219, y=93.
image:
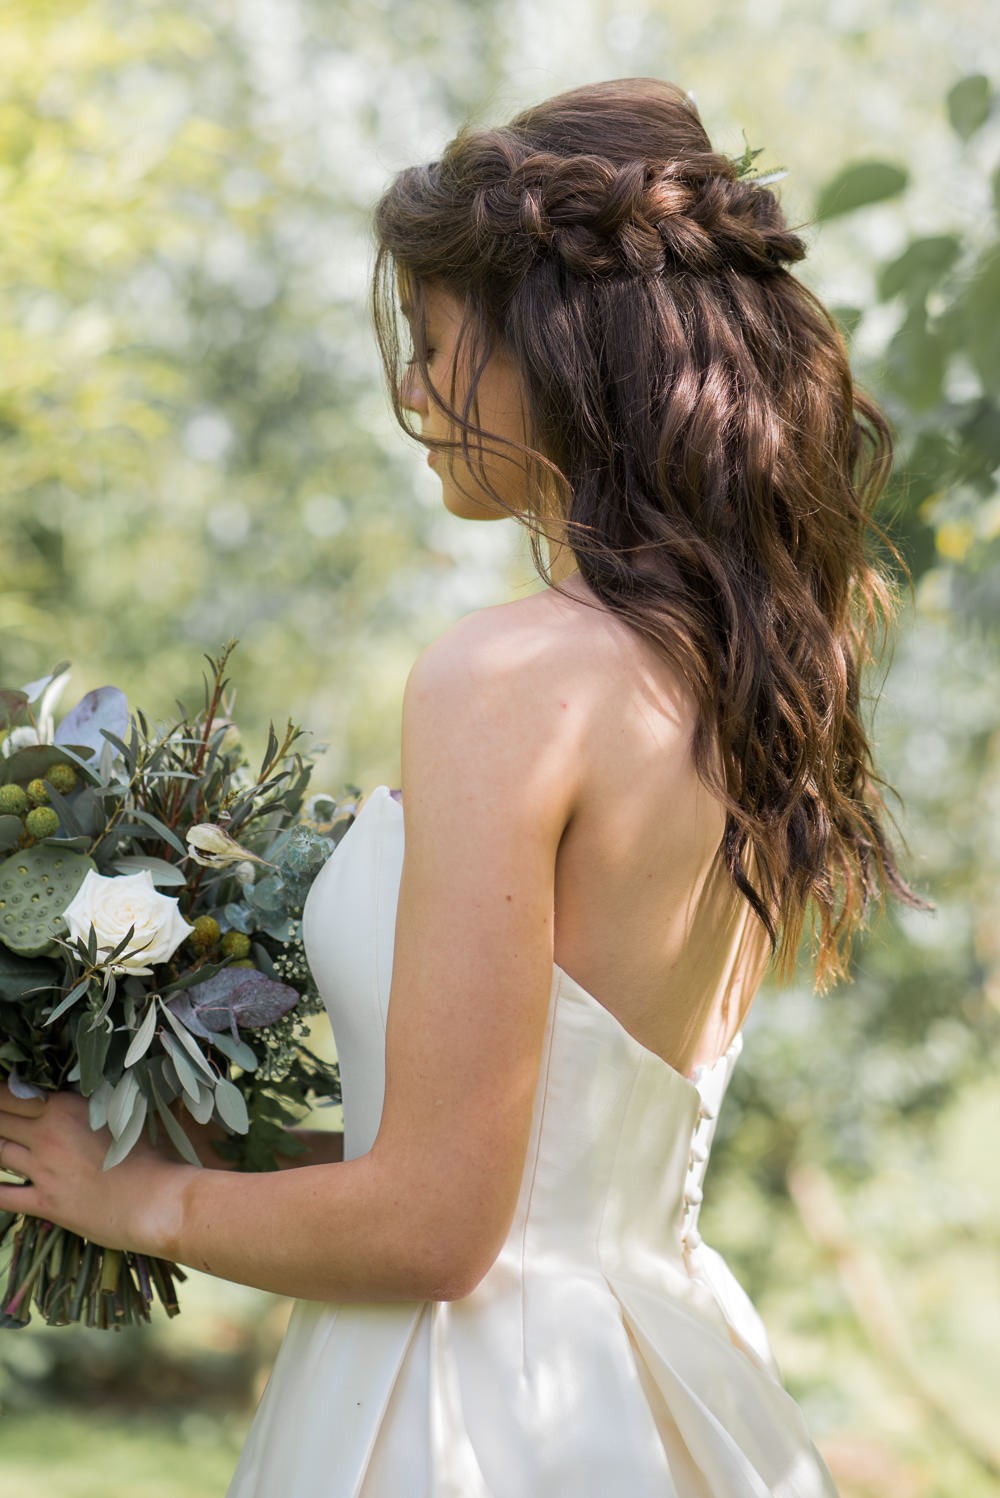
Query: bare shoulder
x=487, y=704
x=564, y=686
x=537, y=644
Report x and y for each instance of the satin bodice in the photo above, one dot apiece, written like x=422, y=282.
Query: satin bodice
x=620, y=1139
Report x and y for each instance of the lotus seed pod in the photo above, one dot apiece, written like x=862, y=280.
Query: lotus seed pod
x=37, y=793
x=206, y=932
x=13, y=801
x=35, y=888
x=235, y=944
x=42, y=822
x=62, y=778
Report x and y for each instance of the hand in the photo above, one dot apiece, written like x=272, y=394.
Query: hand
x=136, y=1205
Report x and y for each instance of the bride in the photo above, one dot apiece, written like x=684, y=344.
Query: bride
x=623, y=798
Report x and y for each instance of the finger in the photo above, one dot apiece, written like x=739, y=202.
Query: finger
x=27, y=1107
x=14, y=1158
x=20, y=1199
x=14, y=1128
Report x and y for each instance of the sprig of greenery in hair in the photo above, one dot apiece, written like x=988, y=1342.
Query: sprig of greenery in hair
x=745, y=167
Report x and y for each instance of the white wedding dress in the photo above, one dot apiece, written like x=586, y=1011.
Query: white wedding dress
x=608, y=1351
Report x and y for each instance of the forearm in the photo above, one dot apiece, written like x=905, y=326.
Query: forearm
x=331, y=1232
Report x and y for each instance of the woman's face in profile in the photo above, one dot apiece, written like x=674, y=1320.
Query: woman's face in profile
x=501, y=413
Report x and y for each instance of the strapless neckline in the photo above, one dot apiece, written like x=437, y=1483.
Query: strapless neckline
x=383, y=795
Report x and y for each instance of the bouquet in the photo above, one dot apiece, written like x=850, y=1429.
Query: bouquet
x=151, y=893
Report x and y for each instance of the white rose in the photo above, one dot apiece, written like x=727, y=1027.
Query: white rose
x=114, y=904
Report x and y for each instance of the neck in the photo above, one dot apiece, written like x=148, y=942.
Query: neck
x=562, y=562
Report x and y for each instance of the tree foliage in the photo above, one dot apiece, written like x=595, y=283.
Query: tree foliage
x=194, y=445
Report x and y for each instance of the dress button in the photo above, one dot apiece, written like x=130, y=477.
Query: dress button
x=705, y=1111
x=692, y=1196
x=691, y=1239
x=698, y=1153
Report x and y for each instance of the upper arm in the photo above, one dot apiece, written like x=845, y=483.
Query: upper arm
x=488, y=768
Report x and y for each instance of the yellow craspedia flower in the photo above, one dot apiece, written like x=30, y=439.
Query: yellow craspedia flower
x=13, y=801
x=42, y=822
x=235, y=944
x=62, y=778
x=206, y=932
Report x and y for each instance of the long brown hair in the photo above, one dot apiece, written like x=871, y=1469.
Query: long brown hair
x=695, y=427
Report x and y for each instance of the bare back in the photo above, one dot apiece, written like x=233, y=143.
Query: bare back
x=646, y=917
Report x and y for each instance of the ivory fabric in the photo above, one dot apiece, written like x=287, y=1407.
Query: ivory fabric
x=607, y=1351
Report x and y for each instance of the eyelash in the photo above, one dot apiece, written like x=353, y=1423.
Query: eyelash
x=413, y=358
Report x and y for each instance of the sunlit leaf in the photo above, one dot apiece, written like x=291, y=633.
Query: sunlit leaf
x=969, y=104
x=858, y=185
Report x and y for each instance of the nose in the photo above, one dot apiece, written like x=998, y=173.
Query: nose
x=413, y=396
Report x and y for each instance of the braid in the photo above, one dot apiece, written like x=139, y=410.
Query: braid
x=638, y=218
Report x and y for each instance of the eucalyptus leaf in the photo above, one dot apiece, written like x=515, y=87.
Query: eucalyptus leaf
x=32, y=762
x=186, y=1041
x=21, y=1088
x=175, y=1133
x=104, y=707
x=75, y=993
x=122, y=1102
x=98, y=1104
x=165, y=875
x=268, y=895
x=161, y=829
x=231, y=1106
x=143, y=1036
x=128, y=1136
x=180, y=1006
x=241, y=996
x=237, y=917
x=237, y=1051
x=278, y=930
x=186, y=1074
x=202, y=1110
x=92, y=1044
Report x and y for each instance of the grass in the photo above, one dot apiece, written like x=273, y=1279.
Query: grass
x=89, y=1455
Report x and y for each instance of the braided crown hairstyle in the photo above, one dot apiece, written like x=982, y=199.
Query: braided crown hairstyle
x=694, y=427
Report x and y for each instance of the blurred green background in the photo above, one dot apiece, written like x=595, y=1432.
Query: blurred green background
x=195, y=444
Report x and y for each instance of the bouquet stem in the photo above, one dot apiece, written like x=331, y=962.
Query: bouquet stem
x=73, y=1280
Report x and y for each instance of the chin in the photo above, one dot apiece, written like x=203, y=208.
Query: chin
x=464, y=507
